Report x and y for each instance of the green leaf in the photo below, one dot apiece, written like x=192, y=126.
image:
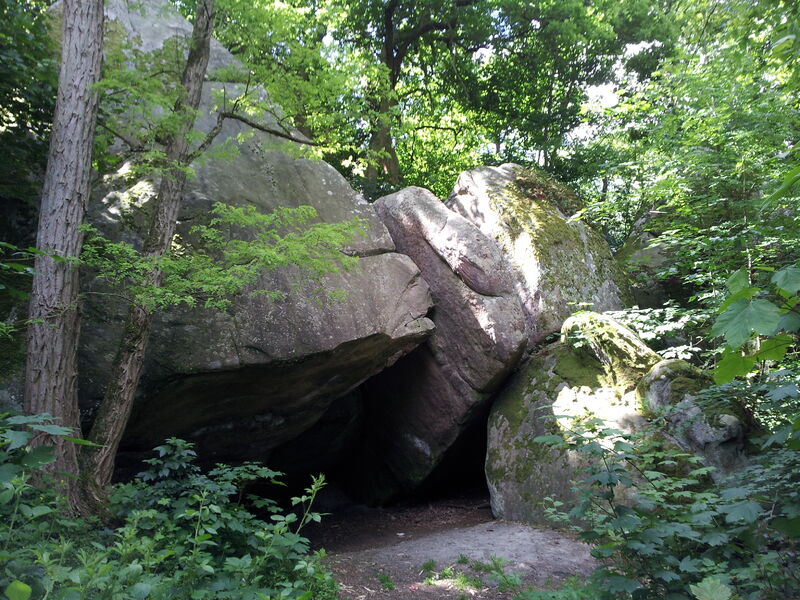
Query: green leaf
x=689, y=565
x=789, y=181
x=787, y=279
x=16, y=439
x=549, y=440
x=38, y=457
x=774, y=348
x=746, y=510
x=51, y=429
x=27, y=419
x=39, y=511
x=81, y=441
x=789, y=321
x=738, y=281
x=8, y=471
x=17, y=590
x=742, y=294
x=716, y=538
x=141, y=590
x=744, y=317
x=711, y=588
x=733, y=493
x=788, y=527
x=732, y=365
x=782, y=392
x=617, y=583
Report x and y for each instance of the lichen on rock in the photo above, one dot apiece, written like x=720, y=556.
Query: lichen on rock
x=598, y=369
x=561, y=263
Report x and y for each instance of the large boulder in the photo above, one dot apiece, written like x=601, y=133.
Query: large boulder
x=242, y=382
x=562, y=265
x=600, y=369
x=418, y=409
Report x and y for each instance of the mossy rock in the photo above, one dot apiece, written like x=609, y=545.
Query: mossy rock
x=668, y=383
x=520, y=472
x=624, y=356
x=714, y=431
x=600, y=369
x=561, y=263
x=592, y=371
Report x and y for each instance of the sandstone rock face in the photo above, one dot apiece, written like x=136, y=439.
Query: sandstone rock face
x=243, y=382
x=149, y=23
x=420, y=407
x=479, y=325
x=561, y=265
x=599, y=368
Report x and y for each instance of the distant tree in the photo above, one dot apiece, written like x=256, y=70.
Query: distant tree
x=410, y=42
x=693, y=152
x=531, y=90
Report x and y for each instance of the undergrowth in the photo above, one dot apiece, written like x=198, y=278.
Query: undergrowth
x=664, y=530
x=181, y=533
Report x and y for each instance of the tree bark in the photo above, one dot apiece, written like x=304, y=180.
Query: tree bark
x=51, y=370
x=381, y=145
x=383, y=161
x=112, y=418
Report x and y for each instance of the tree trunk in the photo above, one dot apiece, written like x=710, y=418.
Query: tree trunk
x=383, y=161
x=381, y=145
x=51, y=370
x=109, y=425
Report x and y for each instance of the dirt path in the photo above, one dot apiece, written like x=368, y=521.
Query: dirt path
x=442, y=550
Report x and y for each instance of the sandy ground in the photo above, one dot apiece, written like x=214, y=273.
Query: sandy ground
x=440, y=551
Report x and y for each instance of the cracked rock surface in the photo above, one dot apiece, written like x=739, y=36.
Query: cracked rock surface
x=418, y=410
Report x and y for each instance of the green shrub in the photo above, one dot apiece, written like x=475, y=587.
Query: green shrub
x=183, y=533
x=662, y=529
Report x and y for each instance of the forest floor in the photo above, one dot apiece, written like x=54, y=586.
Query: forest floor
x=441, y=550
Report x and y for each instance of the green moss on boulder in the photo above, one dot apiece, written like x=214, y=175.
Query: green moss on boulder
x=562, y=264
x=592, y=371
x=715, y=431
x=599, y=368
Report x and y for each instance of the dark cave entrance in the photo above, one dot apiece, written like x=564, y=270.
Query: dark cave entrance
x=346, y=446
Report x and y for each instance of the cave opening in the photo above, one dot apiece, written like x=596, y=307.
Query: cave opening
x=352, y=444
x=353, y=448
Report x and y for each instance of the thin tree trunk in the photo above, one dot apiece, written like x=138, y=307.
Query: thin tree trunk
x=381, y=144
x=51, y=370
x=112, y=418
